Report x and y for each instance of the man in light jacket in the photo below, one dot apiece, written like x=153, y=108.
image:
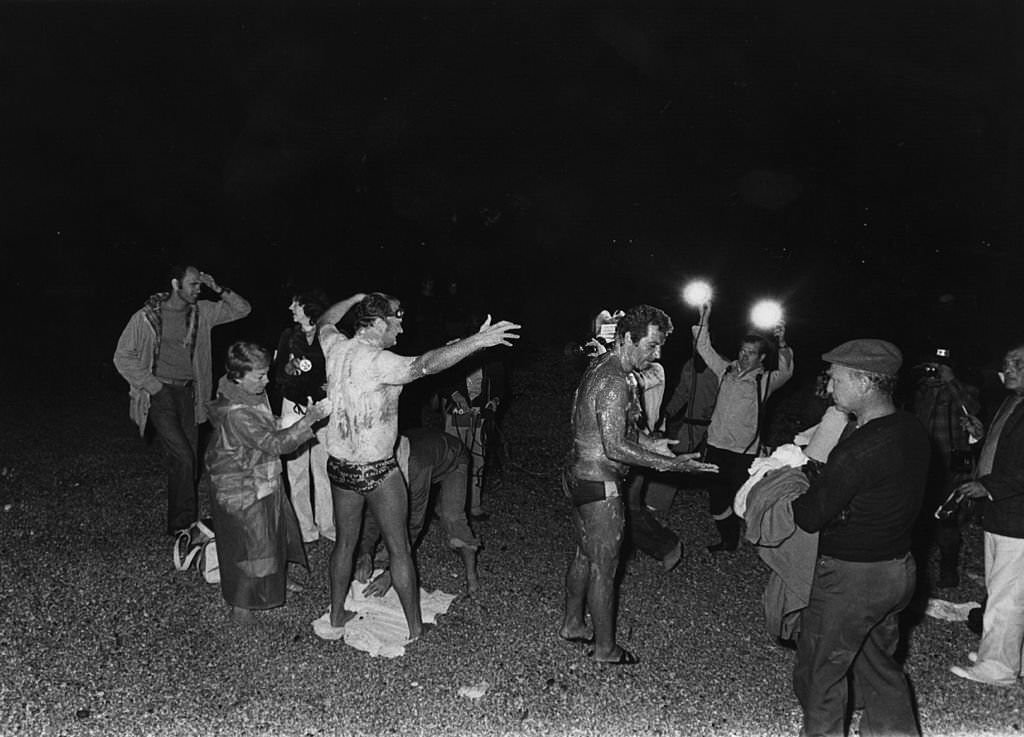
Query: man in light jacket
x=164, y=355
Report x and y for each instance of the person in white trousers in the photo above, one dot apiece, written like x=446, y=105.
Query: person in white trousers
x=300, y=375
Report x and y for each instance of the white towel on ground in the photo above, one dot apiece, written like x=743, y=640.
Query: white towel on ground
x=379, y=626
x=942, y=609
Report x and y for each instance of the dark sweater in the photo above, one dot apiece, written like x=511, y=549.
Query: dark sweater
x=867, y=497
x=1004, y=515
x=292, y=382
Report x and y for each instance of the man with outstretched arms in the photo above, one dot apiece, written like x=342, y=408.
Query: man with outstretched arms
x=364, y=382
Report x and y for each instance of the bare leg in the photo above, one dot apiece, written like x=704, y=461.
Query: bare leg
x=574, y=624
x=348, y=518
x=599, y=527
x=389, y=503
x=469, y=563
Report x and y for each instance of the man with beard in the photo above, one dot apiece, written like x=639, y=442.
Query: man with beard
x=607, y=441
x=164, y=355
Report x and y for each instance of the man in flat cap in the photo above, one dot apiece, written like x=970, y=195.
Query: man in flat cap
x=863, y=502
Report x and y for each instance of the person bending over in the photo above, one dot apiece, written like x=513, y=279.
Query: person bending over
x=426, y=457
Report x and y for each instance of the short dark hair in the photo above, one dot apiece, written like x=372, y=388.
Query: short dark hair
x=372, y=306
x=313, y=302
x=636, y=320
x=243, y=357
x=178, y=271
x=764, y=346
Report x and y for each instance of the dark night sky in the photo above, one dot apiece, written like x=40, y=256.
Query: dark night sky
x=860, y=162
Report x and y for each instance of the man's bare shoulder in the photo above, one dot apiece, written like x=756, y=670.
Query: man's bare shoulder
x=605, y=377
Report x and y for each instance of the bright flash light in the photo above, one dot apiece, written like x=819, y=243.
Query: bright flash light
x=766, y=314
x=697, y=293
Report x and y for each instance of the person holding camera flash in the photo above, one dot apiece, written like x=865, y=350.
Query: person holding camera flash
x=734, y=435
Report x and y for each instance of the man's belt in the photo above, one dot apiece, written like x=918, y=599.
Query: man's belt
x=177, y=382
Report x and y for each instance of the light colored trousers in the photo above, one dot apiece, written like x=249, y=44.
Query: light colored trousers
x=1002, y=639
x=307, y=467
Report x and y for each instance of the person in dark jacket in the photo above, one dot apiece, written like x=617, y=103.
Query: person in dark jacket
x=1000, y=484
x=864, y=504
x=472, y=393
x=300, y=375
x=947, y=406
x=428, y=458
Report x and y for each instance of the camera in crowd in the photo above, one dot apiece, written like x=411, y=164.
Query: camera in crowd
x=930, y=368
x=602, y=339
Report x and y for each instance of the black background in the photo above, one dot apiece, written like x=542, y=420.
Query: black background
x=859, y=162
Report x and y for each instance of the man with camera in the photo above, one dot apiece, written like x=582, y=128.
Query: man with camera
x=607, y=441
x=999, y=481
x=947, y=408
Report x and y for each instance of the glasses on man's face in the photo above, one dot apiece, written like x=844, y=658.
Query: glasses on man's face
x=398, y=314
x=1014, y=363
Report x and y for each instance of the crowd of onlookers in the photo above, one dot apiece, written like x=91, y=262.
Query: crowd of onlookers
x=844, y=513
x=332, y=420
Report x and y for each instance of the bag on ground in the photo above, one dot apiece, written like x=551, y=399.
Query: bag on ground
x=196, y=547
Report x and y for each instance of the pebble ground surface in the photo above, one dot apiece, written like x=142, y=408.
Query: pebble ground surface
x=99, y=635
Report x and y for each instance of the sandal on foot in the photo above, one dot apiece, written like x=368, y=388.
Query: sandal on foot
x=625, y=658
x=579, y=640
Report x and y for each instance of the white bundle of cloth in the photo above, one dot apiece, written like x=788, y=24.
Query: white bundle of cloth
x=379, y=626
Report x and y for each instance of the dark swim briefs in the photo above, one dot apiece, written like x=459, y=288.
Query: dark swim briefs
x=361, y=478
x=582, y=492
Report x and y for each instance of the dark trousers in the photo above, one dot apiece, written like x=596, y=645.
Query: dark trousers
x=172, y=416
x=645, y=530
x=732, y=473
x=851, y=625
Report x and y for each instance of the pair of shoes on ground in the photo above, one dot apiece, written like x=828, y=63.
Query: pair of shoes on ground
x=983, y=672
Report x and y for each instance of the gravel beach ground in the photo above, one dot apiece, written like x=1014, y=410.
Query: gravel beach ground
x=101, y=636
